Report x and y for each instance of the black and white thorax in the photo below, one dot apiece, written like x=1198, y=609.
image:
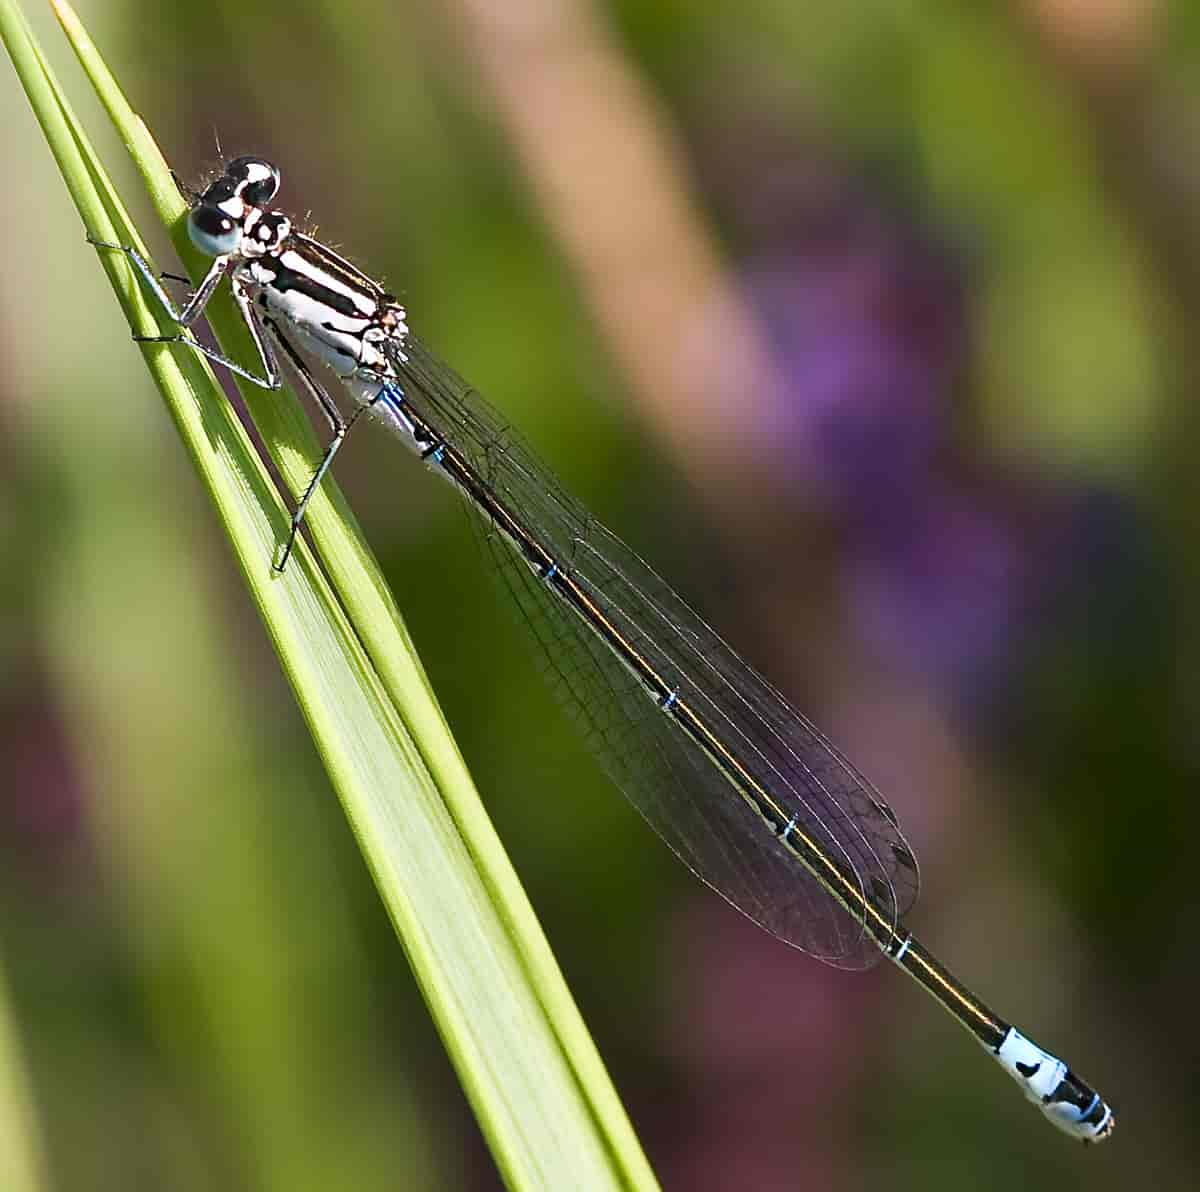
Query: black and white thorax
x=308, y=296
x=344, y=320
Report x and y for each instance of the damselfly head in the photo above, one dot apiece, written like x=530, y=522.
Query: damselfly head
x=221, y=216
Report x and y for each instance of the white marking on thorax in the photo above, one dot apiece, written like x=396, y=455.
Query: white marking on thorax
x=336, y=338
x=309, y=305
x=364, y=302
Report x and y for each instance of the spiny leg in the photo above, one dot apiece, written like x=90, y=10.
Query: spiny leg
x=337, y=423
x=192, y=310
x=266, y=355
x=270, y=379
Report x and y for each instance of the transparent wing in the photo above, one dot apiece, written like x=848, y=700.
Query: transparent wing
x=688, y=800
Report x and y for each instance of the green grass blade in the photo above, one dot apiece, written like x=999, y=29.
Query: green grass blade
x=537, y=1086
x=21, y=1166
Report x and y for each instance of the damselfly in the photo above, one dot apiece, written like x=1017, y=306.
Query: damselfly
x=741, y=786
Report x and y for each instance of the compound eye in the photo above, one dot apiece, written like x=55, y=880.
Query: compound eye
x=213, y=232
x=257, y=179
x=221, y=191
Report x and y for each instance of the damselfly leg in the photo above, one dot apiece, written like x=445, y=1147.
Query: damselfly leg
x=264, y=334
x=193, y=308
x=339, y=425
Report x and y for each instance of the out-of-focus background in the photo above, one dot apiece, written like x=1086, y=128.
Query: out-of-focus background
x=874, y=327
